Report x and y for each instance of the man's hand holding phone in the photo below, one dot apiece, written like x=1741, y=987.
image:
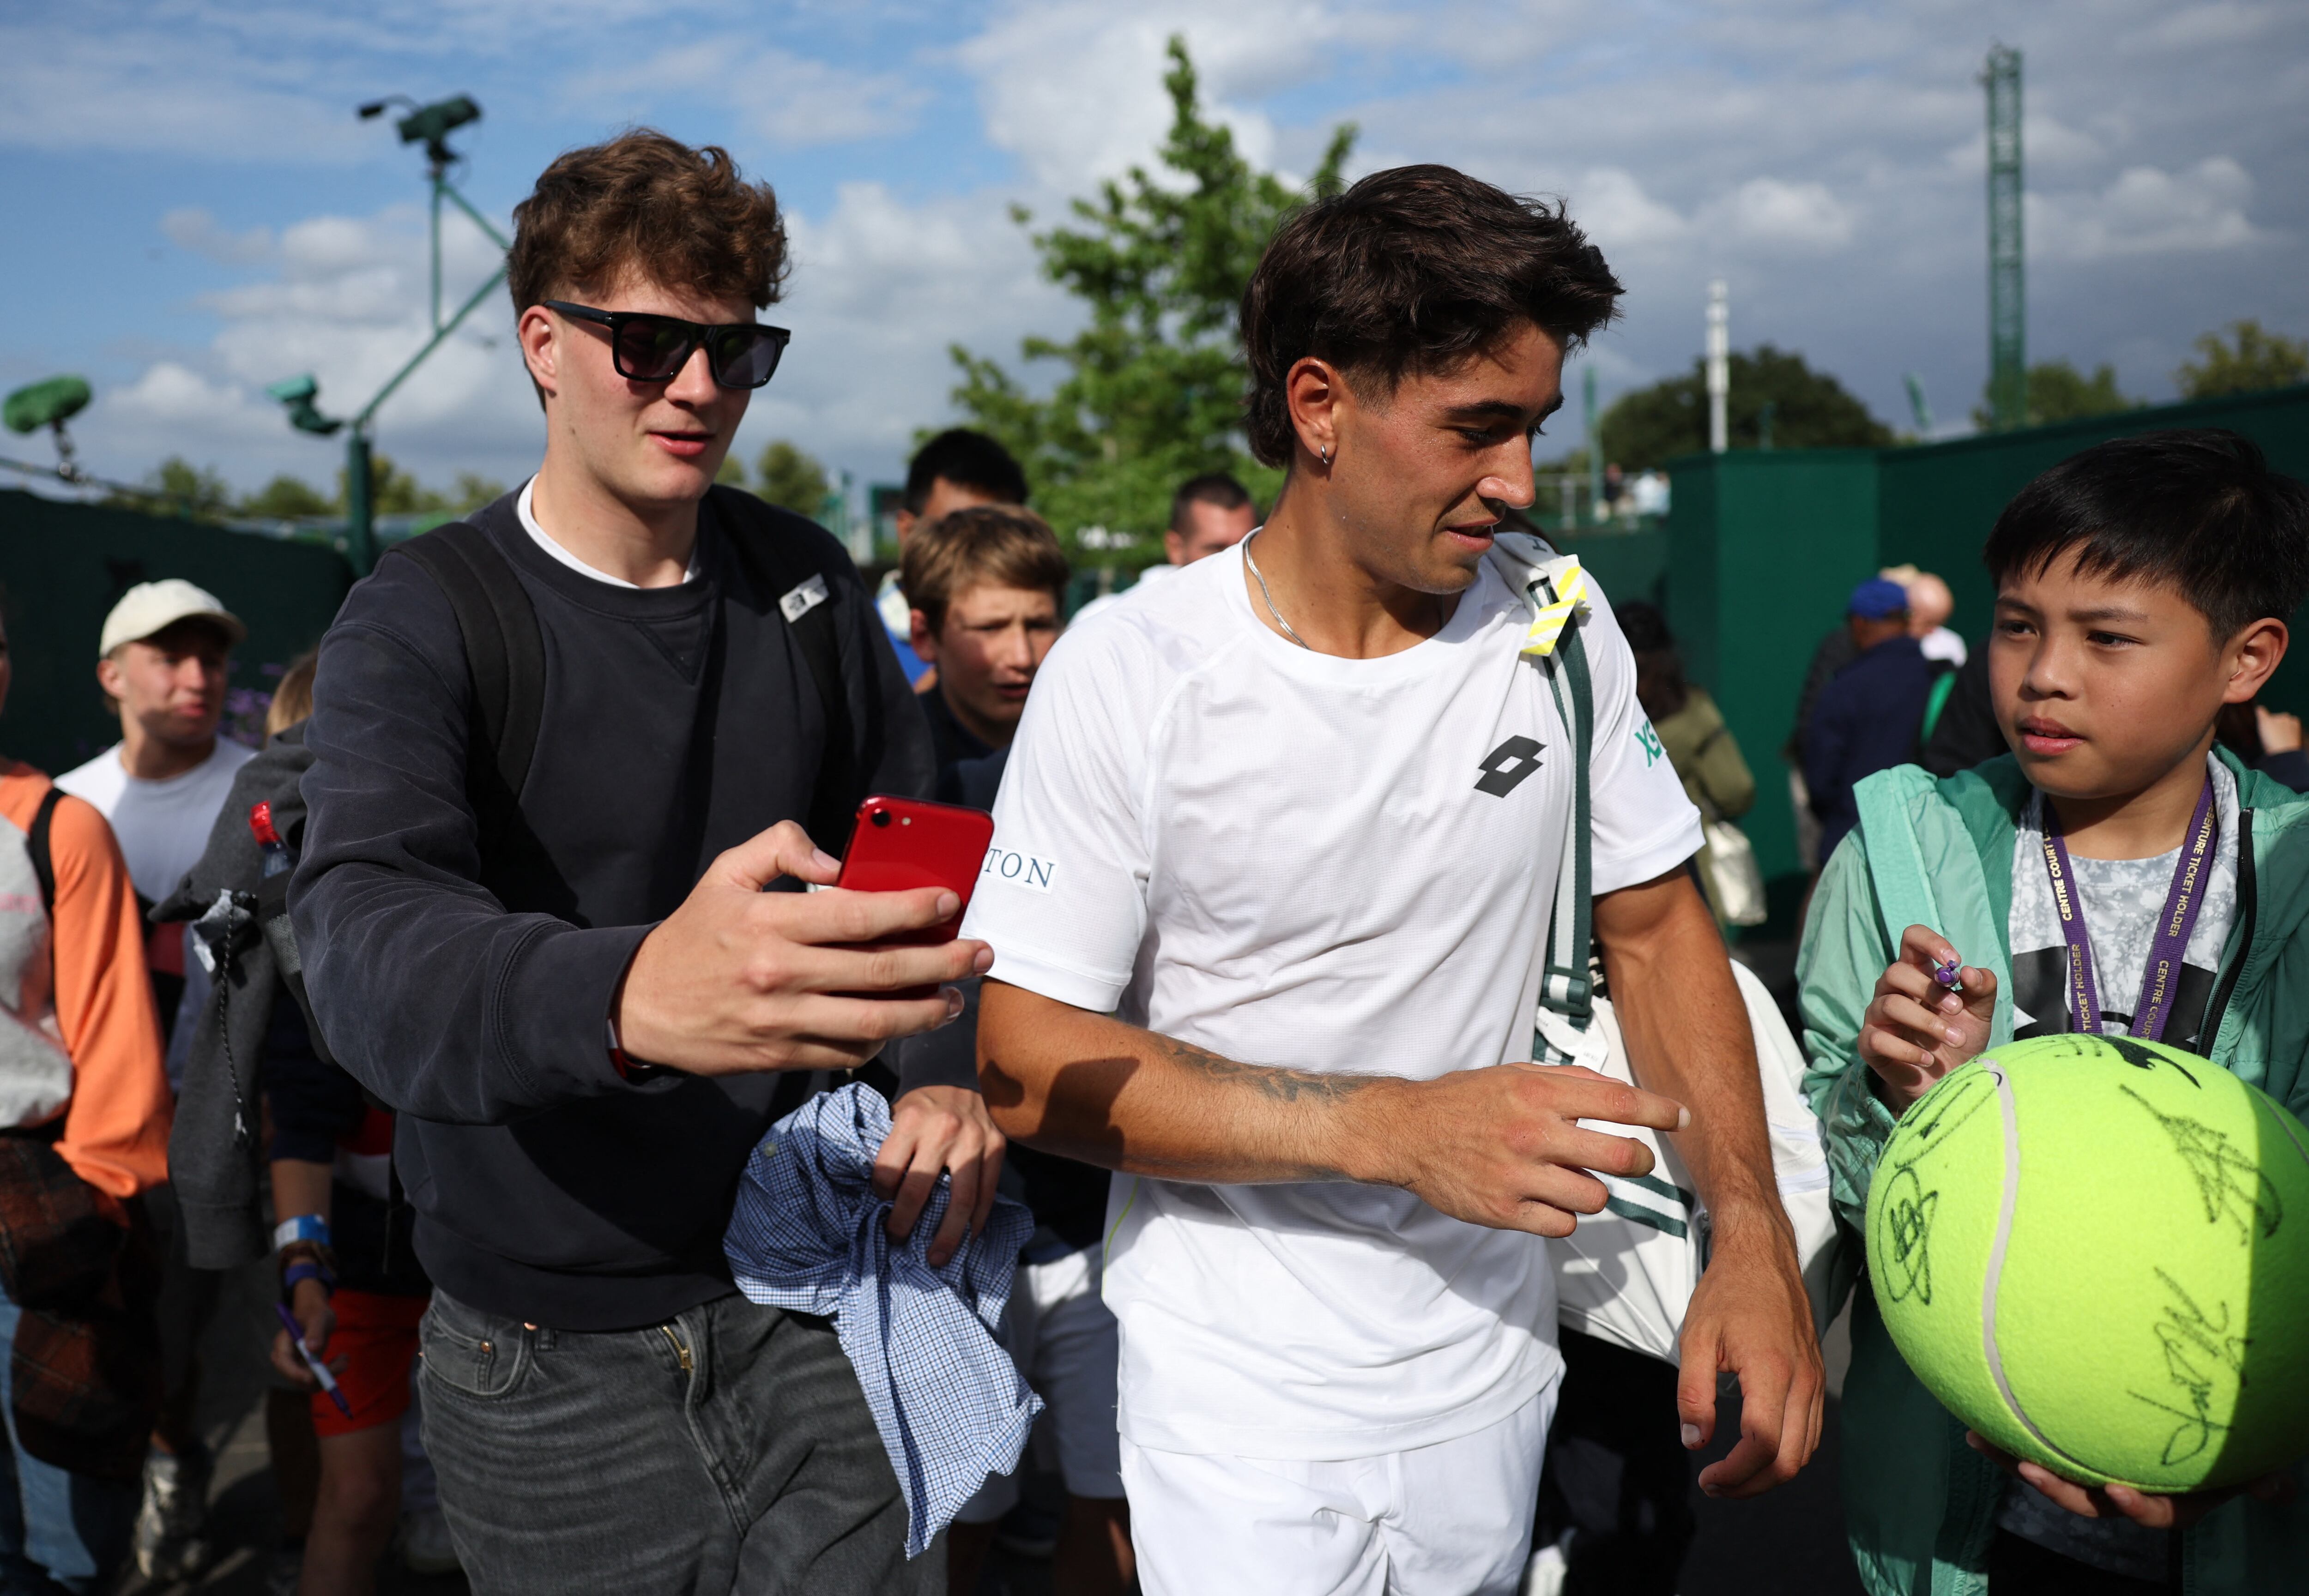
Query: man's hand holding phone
x=739, y=980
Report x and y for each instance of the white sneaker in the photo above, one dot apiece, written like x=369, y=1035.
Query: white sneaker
x=170, y=1524
x=425, y=1543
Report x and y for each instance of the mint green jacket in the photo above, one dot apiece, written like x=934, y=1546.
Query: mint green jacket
x=1919, y=1505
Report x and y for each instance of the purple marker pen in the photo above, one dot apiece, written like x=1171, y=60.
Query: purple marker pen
x=1950, y=975
x=320, y=1370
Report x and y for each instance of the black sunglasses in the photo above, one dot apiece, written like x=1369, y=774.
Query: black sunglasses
x=653, y=348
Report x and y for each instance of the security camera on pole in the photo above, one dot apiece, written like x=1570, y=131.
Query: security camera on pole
x=429, y=125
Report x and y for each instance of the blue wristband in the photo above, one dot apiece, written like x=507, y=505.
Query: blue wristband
x=305, y=1268
x=305, y=1227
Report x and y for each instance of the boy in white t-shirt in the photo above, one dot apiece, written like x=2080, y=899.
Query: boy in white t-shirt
x=1272, y=866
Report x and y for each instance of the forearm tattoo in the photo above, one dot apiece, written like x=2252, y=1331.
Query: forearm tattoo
x=1283, y=1085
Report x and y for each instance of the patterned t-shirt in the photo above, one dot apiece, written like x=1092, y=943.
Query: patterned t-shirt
x=2121, y=901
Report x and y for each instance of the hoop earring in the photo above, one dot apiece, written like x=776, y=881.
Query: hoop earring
x=1323, y=454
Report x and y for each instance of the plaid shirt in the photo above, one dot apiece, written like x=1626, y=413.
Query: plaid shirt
x=809, y=1234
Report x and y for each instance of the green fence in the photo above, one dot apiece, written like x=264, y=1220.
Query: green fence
x=1763, y=547
x=63, y=566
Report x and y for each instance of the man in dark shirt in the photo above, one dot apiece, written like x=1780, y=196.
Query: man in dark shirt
x=579, y=1010
x=1867, y=717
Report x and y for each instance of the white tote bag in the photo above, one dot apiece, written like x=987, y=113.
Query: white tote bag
x=1626, y=1274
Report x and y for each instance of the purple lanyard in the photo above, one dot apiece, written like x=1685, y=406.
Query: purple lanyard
x=2162, y=976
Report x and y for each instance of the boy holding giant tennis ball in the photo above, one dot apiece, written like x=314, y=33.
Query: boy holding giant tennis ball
x=2117, y=875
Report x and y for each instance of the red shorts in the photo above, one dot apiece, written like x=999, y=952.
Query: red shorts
x=377, y=1336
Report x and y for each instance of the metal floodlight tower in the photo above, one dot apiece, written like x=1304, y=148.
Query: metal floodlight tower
x=1719, y=365
x=429, y=125
x=2008, y=303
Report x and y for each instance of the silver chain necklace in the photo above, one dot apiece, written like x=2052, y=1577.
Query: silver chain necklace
x=1265, y=593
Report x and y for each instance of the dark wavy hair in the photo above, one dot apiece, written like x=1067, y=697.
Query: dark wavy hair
x=2196, y=509
x=1411, y=271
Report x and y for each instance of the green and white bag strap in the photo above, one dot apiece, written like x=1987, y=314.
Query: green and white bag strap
x=1558, y=590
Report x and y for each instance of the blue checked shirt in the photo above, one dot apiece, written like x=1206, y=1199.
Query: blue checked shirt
x=809, y=1234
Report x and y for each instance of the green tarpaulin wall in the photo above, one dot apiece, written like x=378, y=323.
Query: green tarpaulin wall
x=1764, y=550
x=1753, y=566
x=63, y=566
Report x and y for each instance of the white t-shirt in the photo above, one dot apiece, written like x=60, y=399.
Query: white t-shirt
x=544, y=540
x=163, y=826
x=1340, y=865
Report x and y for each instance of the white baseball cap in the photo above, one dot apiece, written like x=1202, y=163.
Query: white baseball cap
x=152, y=606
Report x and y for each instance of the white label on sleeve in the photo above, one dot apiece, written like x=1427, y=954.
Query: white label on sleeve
x=1019, y=869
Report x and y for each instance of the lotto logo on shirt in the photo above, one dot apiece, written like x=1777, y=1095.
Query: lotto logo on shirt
x=1019, y=869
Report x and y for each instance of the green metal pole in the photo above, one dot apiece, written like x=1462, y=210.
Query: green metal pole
x=1594, y=447
x=431, y=344
x=480, y=220
x=2008, y=303
x=436, y=251
x=361, y=503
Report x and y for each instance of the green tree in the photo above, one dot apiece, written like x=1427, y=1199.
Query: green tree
x=2249, y=360
x=473, y=491
x=1810, y=409
x=177, y=486
x=732, y=472
x=288, y=498
x=2059, y=392
x=396, y=492
x=787, y=476
x=1152, y=389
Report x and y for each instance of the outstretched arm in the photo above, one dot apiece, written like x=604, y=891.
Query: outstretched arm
x=1497, y=1146
x=1686, y=1028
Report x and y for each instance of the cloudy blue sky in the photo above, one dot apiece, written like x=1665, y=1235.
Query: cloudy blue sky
x=193, y=210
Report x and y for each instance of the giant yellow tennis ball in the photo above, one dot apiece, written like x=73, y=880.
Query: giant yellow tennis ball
x=2095, y=1251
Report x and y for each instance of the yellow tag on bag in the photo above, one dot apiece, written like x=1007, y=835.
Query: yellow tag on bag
x=1571, y=597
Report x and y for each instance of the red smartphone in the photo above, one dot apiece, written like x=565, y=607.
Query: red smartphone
x=900, y=843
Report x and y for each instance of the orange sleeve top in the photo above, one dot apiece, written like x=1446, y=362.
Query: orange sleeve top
x=116, y=1127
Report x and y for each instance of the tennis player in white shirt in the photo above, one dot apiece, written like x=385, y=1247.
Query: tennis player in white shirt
x=1271, y=874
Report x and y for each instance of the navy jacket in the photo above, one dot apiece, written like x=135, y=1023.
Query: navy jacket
x=677, y=723
x=1866, y=720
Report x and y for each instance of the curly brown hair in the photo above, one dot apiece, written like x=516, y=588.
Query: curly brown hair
x=1411, y=271
x=686, y=218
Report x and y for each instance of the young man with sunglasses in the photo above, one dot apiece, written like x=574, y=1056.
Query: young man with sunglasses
x=577, y=994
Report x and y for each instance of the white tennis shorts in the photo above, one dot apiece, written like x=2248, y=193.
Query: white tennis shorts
x=1446, y=1520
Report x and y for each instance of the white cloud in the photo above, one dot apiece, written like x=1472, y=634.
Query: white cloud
x=2148, y=211
x=880, y=290
x=1777, y=215
x=145, y=90
x=794, y=102
x=1074, y=90
x=1616, y=212
x=194, y=228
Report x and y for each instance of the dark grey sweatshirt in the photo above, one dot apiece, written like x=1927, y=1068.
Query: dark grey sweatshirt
x=678, y=722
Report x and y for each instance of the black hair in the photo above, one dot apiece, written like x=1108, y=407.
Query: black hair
x=1212, y=487
x=2198, y=510
x=966, y=459
x=1660, y=686
x=1410, y=272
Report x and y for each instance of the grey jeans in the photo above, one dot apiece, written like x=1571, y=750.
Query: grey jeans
x=727, y=1450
